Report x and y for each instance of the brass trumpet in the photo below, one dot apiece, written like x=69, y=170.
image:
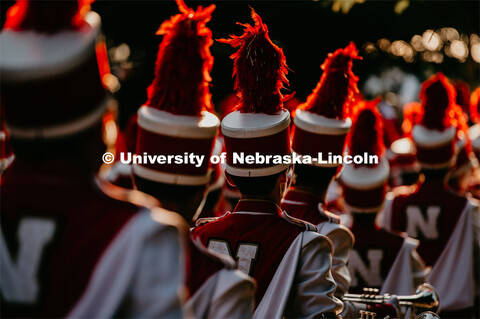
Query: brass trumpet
x=424, y=298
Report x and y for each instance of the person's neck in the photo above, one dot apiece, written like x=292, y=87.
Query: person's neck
x=276, y=201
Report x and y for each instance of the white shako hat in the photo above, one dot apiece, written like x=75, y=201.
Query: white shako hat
x=364, y=185
x=322, y=122
x=52, y=65
x=176, y=118
x=437, y=123
x=259, y=123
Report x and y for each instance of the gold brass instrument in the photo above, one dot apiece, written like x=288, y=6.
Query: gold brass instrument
x=425, y=298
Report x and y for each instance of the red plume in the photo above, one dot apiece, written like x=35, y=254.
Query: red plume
x=333, y=95
x=260, y=69
x=440, y=109
x=47, y=16
x=474, y=105
x=184, y=62
x=366, y=134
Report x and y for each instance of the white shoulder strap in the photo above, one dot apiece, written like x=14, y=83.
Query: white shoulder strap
x=452, y=274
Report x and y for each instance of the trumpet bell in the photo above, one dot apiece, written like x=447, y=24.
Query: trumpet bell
x=426, y=299
x=427, y=315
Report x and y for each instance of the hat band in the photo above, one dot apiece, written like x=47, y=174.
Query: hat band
x=438, y=157
x=364, y=200
x=169, y=178
x=272, y=145
x=60, y=130
x=308, y=143
x=151, y=144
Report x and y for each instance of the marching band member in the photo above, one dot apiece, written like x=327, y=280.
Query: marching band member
x=379, y=259
x=67, y=248
x=289, y=260
x=176, y=119
x=445, y=223
x=321, y=125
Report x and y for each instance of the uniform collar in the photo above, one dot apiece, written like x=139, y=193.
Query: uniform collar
x=302, y=196
x=257, y=206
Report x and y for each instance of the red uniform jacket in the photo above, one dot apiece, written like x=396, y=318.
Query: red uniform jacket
x=256, y=235
x=374, y=253
x=72, y=221
x=429, y=214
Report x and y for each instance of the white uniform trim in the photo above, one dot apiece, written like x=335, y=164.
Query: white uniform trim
x=400, y=278
x=365, y=177
x=319, y=124
x=187, y=126
x=254, y=125
x=256, y=172
x=427, y=138
x=169, y=178
x=117, y=271
x=452, y=275
x=118, y=170
x=226, y=294
x=304, y=276
x=29, y=55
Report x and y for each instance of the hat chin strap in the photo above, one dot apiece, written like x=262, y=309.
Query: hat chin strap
x=60, y=130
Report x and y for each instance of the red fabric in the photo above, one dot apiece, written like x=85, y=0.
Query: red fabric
x=367, y=237
x=306, y=208
x=184, y=62
x=156, y=144
x=440, y=109
x=428, y=194
x=307, y=143
x=335, y=91
x=54, y=100
x=272, y=233
x=86, y=222
x=438, y=99
x=435, y=155
x=200, y=267
x=364, y=198
x=260, y=69
x=403, y=160
x=277, y=144
x=47, y=16
x=366, y=135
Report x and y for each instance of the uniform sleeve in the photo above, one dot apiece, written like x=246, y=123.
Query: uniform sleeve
x=312, y=294
x=475, y=218
x=234, y=298
x=384, y=217
x=342, y=242
x=157, y=288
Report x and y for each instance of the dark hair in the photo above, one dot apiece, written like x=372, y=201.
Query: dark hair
x=315, y=177
x=256, y=186
x=168, y=192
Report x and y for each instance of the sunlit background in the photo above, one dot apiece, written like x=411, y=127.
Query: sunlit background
x=402, y=42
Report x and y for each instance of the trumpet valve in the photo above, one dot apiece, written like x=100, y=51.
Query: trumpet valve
x=367, y=314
